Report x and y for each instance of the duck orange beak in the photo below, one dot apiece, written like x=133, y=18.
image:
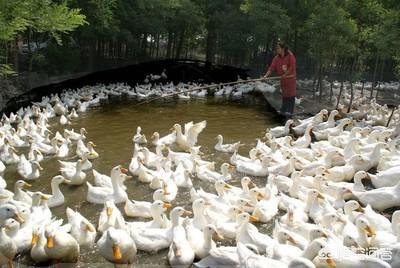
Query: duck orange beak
x=109, y=212
x=18, y=218
x=370, y=231
x=187, y=213
x=227, y=186
x=35, y=239
x=348, y=191
x=254, y=219
x=260, y=196
x=27, y=185
x=50, y=241
x=360, y=209
x=331, y=262
x=90, y=228
x=123, y=170
x=116, y=252
x=167, y=205
x=291, y=240
x=218, y=237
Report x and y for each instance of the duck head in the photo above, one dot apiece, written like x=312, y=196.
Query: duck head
x=113, y=240
x=363, y=225
x=210, y=231
x=245, y=218
x=20, y=184
x=10, y=211
x=57, y=180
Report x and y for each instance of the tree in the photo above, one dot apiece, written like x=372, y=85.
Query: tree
x=44, y=18
x=330, y=31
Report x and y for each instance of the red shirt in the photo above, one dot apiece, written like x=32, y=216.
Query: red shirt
x=280, y=65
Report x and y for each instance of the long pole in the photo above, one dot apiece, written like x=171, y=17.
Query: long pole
x=211, y=86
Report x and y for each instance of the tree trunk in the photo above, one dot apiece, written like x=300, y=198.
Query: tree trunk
x=169, y=45
x=144, y=46
x=351, y=85
x=378, y=89
x=340, y=94
x=351, y=97
x=331, y=80
x=320, y=77
x=374, y=75
x=180, y=43
x=92, y=48
x=211, y=41
x=313, y=86
x=15, y=55
x=362, y=88
x=157, y=45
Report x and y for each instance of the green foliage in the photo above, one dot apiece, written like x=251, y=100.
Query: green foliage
x=330, y=31
x=322, y=33
x=6, y=69
x=40, y=17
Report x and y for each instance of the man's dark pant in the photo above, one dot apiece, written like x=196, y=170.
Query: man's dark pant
x=288, y=105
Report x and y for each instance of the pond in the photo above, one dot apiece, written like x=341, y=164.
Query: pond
x=111, y=127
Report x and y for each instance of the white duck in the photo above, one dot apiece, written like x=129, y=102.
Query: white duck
x=267, y=207
x=188, y=139
x=389, y=177
x=330, y=123
x=74, y=174
x=155, y=239
x=305, y=140
x=254, y=168
x=315, y=120
x=20, y=195
x=63, y=150
x=98, y=195
x=226, y=148
x=335, y=131
x=248, y=233
x=202, y=242
x=81, y=229
x=8, y=248
x=116, y=246
x=38, y=254
x=381, y=198
x=281, y=131
x=138, y=137
x=142, y=209
x=72, y=135
x=251, y=259
x=110, y=216
x=61, y=246
x=180, y=252
x=166, y=140
x=159, y=220
x=205, y=174
x=56, y=198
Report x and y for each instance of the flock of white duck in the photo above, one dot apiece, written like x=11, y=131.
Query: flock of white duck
x=313, y=196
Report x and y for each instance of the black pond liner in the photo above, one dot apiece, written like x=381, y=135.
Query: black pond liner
x=177, y=71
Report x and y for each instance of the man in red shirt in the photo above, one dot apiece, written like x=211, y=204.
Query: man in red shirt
x=284, y=64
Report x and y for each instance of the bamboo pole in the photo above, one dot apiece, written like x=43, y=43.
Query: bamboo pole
x=390, y=117
x=212, y=86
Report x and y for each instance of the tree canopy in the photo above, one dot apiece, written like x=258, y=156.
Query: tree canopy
x=329, y=37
